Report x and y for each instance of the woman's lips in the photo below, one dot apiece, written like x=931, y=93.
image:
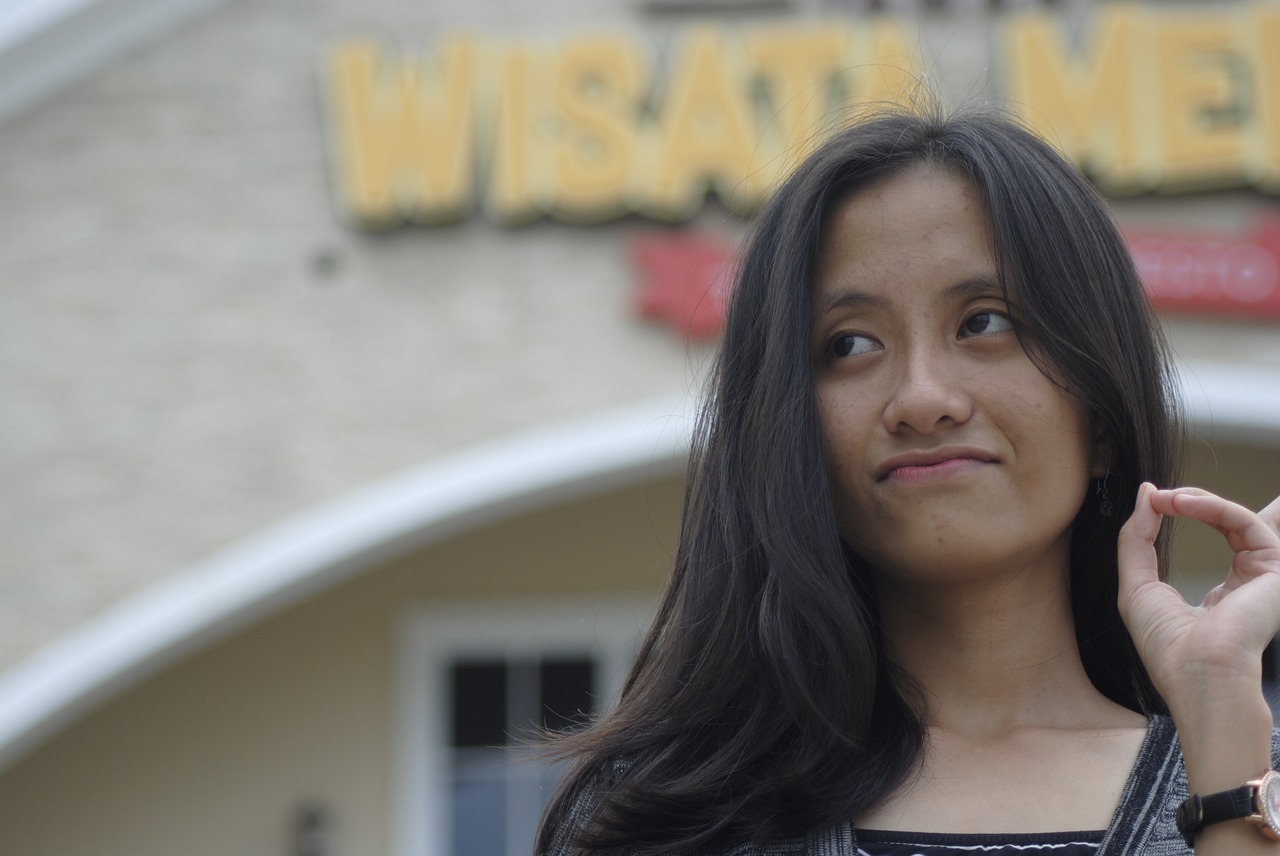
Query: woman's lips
x=935, y=472
x=933, y=464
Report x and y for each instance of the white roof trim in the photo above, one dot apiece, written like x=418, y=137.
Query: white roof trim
x=266, y=573
x=1231, y=402
x=48, y=45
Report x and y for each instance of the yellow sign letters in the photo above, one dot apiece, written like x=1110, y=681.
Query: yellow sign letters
x=593, y=128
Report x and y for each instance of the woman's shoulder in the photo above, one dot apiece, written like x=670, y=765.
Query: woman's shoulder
x=1163, y=740
x=566, y=825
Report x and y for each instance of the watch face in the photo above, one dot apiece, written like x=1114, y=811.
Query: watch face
x=1269, y=803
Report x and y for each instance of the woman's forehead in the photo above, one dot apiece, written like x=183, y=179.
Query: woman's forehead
x=922, y=218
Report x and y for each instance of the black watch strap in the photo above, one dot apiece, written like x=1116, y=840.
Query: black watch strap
x=1198, y=812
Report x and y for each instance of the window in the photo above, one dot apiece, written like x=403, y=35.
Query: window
x=496, y=799
x=476, y=684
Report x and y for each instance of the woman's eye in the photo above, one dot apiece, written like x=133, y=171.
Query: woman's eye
x=852, y=345
x=986, y=324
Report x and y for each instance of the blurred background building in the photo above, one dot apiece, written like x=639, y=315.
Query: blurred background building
x=349, y=350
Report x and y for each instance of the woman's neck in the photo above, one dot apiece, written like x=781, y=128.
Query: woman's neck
x=991, y=655
x=1006, y=699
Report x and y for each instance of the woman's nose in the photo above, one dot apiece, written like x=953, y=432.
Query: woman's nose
x=929, y=395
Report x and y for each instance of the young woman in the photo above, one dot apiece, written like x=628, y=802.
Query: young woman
x=908, y=615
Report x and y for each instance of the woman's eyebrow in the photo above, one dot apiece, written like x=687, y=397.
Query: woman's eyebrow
x=976, y=286
x=845, y=300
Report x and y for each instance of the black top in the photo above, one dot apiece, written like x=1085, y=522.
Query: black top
x=879, y=842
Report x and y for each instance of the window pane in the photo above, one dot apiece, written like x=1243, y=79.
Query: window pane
x=567, y=692
x=479, y=704
x=498, y=793
x=479, y=815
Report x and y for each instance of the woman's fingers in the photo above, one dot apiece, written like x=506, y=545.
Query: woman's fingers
x=1251, y=590
x=1142, y=594
x=1221, y=640
x=1136, y=546
x=1243, y=529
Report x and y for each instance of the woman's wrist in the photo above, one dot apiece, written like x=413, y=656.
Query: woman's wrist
x=1226, y=739
x=1226, y=742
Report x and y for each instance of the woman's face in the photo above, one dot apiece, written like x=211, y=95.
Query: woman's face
x=950, y=453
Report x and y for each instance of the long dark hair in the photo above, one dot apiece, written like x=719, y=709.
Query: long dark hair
x=762, y=704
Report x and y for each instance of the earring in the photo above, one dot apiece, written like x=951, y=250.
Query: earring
x=1105, y=508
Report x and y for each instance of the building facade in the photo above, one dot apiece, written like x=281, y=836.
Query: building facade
x=351, y=351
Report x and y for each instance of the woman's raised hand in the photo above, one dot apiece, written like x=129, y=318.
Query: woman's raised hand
x=1206, y=660
x=1188, y=650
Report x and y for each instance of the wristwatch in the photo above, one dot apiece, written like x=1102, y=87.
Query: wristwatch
x=1257, y=802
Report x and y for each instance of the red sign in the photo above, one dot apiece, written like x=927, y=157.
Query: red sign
x=686, y=277
x=685, y=281
x=1223, y=275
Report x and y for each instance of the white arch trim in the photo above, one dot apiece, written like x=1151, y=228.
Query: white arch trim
x=266, y=573
x=336, y=541
x=47, y=46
